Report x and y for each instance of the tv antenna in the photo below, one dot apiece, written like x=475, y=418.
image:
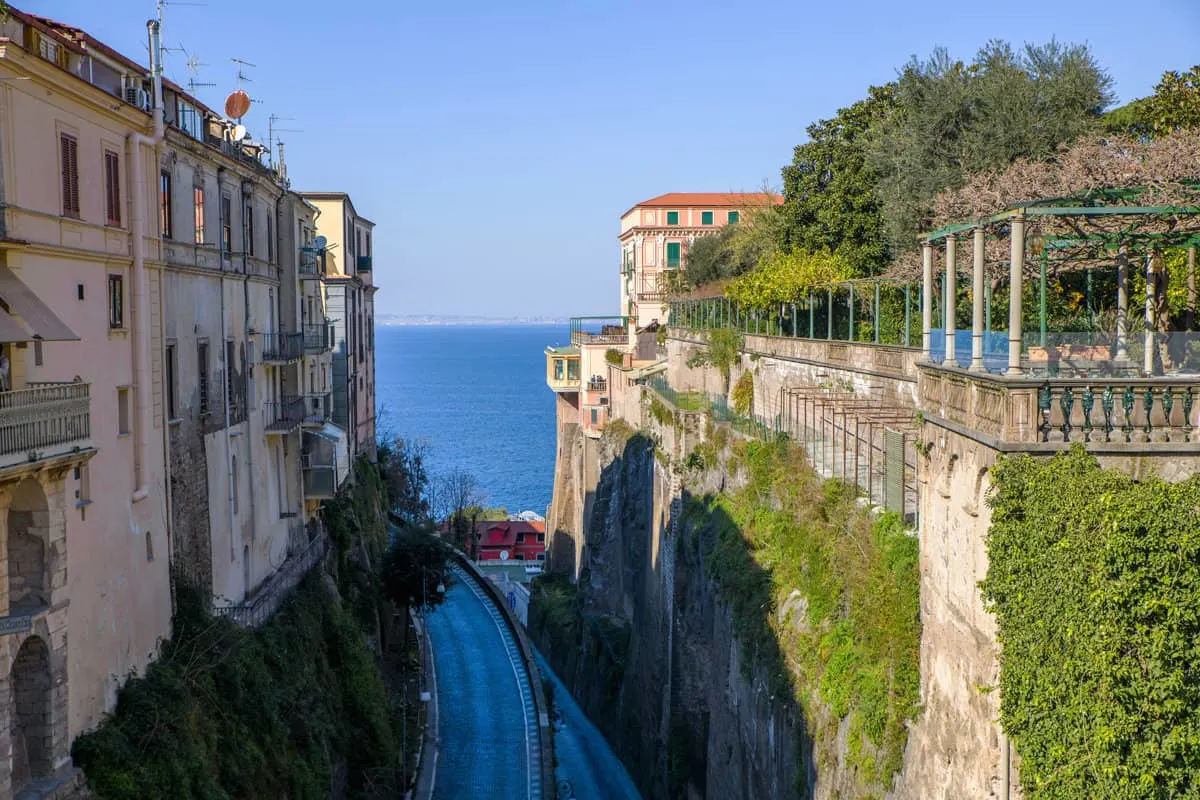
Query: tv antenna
x=242, y=77
x=193, y=69
x=272, y=130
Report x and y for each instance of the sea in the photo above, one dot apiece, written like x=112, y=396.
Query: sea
x=476, y=395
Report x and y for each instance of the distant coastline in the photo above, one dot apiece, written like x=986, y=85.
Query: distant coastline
x=390, y=320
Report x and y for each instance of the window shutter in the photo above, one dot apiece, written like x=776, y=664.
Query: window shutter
x=112, y=188
x=70, y=175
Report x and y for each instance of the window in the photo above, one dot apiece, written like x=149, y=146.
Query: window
x=112, y=188
x=169, y=377
x=734, y=216
x=37, y=353
x=541, y=537
x=573, y=369
x=198, y=212
x=164, y=204
x=248, y=212
x=558, y=369
x=232, y=390
x=83, y=489
x=70, y=175
x=368, y=243
x=123, y=411
x=706, y=218
x=595, y=416
x=48, y=49
x=672, y=217
x=149, y=547
x=202, y=374
x=226, y=225
x=270, y=238
x=116, y=301
x=541, y=556
x=673, y=256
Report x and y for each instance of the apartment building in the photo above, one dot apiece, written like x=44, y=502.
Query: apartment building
x=655, y=237
x=350, y=302
x=167, y=352
x=605, y=354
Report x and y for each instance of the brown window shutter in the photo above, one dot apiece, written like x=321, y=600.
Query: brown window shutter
x=112, y=187
x=70, y=176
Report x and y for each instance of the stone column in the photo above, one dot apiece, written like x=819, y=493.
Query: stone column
x=1122, y=352
x=926, y=299
x=1016, y=277
x=1149, y=336
x=951, y=297
x=977, y=303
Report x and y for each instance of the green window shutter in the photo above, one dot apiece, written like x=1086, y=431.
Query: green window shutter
x=706, y=218
x=672, y=217
x=734, y=216
x=673, y=254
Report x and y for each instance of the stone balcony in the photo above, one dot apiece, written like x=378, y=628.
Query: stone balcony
x=1024, y=413
x=44, y=421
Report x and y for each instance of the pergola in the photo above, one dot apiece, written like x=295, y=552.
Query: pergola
x=1071, y=233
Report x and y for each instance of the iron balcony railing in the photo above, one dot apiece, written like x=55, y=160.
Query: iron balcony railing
x=597, y=384
x=44, y=420
x=283, y=415
x=269, y=596
x=312, y=262
x=318, y=338
x=364, y=264
x=318, y=408
x=282, y=347
x=599, y=330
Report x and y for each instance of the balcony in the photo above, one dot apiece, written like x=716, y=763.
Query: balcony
x=318, y=339
x=363, y=264
x=599, y=331
x=44, y=421
x=320, y=480
x=562, y=369
x=597, y=384
x=318, y=409
x=312, y=262
x=283, y=416
x=280, y=348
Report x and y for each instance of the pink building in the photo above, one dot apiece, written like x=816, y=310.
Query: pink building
x=608, y=354
x=655, y=236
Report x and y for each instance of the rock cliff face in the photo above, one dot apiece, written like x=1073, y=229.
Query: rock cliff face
x=650, y=651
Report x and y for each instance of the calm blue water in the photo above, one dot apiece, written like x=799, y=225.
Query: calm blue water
x=478, y=396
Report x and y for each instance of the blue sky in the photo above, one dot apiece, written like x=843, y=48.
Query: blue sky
x=495, y=144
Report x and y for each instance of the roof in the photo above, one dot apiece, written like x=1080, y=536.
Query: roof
x=504, y=534
x=338, y=196
x=723, y=199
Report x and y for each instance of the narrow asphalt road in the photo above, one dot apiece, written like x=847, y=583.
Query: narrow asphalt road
x=487, y=733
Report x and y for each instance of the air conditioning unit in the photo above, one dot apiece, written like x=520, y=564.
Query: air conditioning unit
x=137, y=96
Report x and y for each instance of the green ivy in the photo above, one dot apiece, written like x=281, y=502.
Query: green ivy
x=743, y=393
x=1095, y=582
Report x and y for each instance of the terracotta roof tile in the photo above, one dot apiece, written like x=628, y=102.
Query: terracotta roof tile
x=737, y=199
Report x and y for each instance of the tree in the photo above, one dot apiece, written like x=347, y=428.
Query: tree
x=1174, y=106
x=462, y=502
x=953, y=119
x=414, y=566
x=403, y=465
x=786, y=277
x=734, y=249
x=829, y=189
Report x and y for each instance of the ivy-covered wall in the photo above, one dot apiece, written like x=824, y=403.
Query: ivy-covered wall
x=298, y=708
x=1094, y=579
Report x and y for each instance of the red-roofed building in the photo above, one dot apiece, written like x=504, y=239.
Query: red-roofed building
x=655, y=236
x=511, y=541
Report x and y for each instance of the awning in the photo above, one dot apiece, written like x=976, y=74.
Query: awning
x=11, y=330
x=40, y=321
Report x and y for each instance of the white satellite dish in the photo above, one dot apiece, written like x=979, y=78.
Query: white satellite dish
x=320, y=242
x=239, y=132
x=504, y=555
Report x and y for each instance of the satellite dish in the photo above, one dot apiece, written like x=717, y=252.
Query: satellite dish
x=320, y=242
x=237, y=104
x=239, y=132
x=504, y=555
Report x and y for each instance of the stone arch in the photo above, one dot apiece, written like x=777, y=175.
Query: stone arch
x=27, y=549
x=31, y=733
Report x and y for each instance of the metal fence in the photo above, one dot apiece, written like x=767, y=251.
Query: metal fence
x=272, y=592
x=846, y=437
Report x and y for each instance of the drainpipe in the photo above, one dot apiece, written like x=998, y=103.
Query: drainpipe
x=141, y=290
x=225, y=360
x=246, y=328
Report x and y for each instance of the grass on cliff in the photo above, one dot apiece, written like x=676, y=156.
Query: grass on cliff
x=226, y=713
x=824, y=597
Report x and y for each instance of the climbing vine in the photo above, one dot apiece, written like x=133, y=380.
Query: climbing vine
x=743, y=393
x=1095, y=582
